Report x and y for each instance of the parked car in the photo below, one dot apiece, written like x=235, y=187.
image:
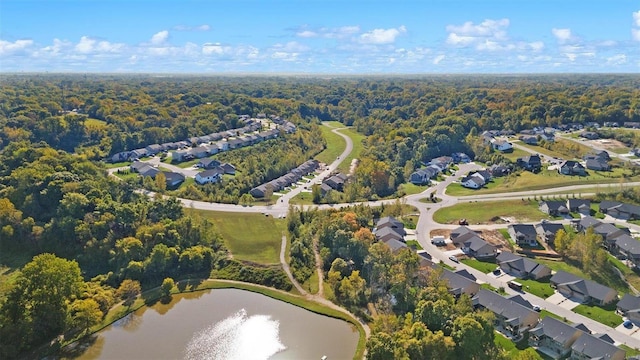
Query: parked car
x=537, y=308
x=628, y=324
x=454, y=259
x=497, y=271
x=463, y=222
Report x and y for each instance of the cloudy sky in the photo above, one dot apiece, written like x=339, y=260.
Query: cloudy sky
x=320, y=36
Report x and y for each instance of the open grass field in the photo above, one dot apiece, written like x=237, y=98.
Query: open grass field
x=483, y=212
x=515, y=154
x=410, y=189
x=335, y=144
x=608, y=278
x=357, y=149
x=605, y=316
x=249, y=236
x=483, y=266
x=546, y=179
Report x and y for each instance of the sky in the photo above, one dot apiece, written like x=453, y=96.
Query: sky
x=320, y=36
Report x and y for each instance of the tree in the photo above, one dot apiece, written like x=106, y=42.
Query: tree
x=316, y=194
x=161, y=182
x=128, y=290
x=381, y=346
x=167, y=285
x=84, y=314
x=562, y=242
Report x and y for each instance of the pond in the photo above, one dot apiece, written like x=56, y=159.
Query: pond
x=225, y=324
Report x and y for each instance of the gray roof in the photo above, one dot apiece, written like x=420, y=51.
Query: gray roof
x=588, y=221
x=594, y=348
x=528, y=231
x=395, y=245
x=513, y=312
x=388, y=232
x=629, y=245
x=583, y=286
x=555, y=329
x=549, y=229
x=212, y=172
x=460, y=231
x=476, y=244
x=519, y=263
x=555, y=205
x=457, y=282
x=628, y=302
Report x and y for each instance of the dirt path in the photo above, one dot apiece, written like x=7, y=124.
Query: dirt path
x=287, y=269
x=318, y=269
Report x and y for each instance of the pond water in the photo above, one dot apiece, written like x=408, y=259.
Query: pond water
x=225, y=324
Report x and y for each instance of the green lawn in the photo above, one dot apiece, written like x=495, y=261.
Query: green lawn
x=410, y=189
x=490, y=211
x=630, y=351
x=544, y=313
x=606, y=315
x=303, y=198
x=513, y=349
x=524, y=181
x=335, y=145
x=116, y=165
x=536, y=287
x=414, y=243
x=249, y=236
x=357, y=139
x=483, y=266
x=608, y=278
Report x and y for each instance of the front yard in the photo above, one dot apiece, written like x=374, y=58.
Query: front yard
x=482, y=266
x=605, y=315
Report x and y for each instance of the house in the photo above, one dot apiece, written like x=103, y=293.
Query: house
x=208, y=163
x=598, y=154
x=478, y=248
x=173, y=179
x=583, y=290
x=547, y=231
x=259, y=191
x=620, y=210
x=472, y=182
x=628, y=303
x=228, y=168
x=336, y=182
x=609, y=233
x=209, y=176
x=387, y=233
x=325, y=189
x=521, y=267
x=395, y=245
x=460, y=283
x=499, y=170
x=554, y=208
x=554, y=337
x=390, y=222
x=149, y=171
x=120, y=157
x=570, y=167
x=484, y=174
x=628, y=247
x=137, y=165
x=511, y=318
x=529, y=139
x=420, y=177
x=589, y=135
x=460, y=157
x=137, y=154
x=580, y=206
x=532, y=163
x=199, y=152
x=154, y=149
x=587, y=222
x=548, y=136
x=461, y=234
x=501, y=145
x=597, y=165
x=523, y=234
x=590, y=347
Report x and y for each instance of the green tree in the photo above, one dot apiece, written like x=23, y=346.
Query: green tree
x=381, y=346
x=84, y=314
x=128, y=290
x=167, y=285
x=562, y=242
x=316, y=194
x=161, y=182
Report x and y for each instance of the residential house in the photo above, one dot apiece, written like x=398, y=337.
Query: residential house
x=501, y=145
x=460, y=157
x=589, y=135
x=442, y=162
x=149, y=171
x=523, y=234
x=395, y=245
x=629, y=306
x=259, y=191
x=554, y=208
x=581, y=206
x=420, y=177
x=590, y=347
x=325, y=189
x=137, y=165
x=628, y=247
x=532, y=163
x=336, y=182
x=598, y=154
x=554, y=337
x=484, y=174
x=511, y=318
x=472, y=182
x=460, y=283
x=137, y=154
x=570, y=167
x=120, y=157
x=209, y=176
x=547, y=231
x=609, y=233
x=521, y=267
x=173, y=179
x=529, y=139
x=499, y=170
x=154, y=149
x=582, y=290
x=461, y=234
x=597, y=165
x=199, y=152
x=228, y=168
x=548, y=137
x=620, y=210
x=478, y=248
x=390, y=222
x=208, y=163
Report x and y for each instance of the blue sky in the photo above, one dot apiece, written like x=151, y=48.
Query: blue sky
x=313, y=36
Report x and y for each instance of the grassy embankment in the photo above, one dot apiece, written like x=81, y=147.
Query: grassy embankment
x=487, y=211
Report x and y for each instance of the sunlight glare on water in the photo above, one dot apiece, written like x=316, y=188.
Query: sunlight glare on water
x=237, y=337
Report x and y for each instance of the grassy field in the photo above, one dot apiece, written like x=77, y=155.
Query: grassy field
x=488, y=211
x=410, y=189
x=10, y=262
x=544, y=313
x=538, y=288
x=605, y=316
x=357, y=149
x=483, y=266
x=249, y=236
x=513, y=349
x=515, y=154
x=415, y=244
x=335, y=144
x=609, y=278
x=546, y=179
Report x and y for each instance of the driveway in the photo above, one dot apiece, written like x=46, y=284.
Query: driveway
x=562, y=301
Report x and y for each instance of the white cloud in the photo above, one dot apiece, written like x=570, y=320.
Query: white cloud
x=618, y=59
x=307, y=34
x=213, y=49
x=635, y=34
x=438, y=59
x=536, y=45
x=203, y=27
x=487, y=28
x=382, y=36
x=8, y=47
x=88, y=45
x=563, y=35
x=327, y=33
x=636, y=18
x=455, y=39
x=160, y=37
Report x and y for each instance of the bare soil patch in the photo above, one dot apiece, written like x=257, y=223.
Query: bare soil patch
x=608, y=144
x=493, y=237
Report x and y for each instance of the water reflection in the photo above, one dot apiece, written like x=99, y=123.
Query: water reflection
x=238, y=337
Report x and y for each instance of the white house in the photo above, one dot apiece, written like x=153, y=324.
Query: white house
x=472, y=182
x=501, y=145
x=209, y=176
